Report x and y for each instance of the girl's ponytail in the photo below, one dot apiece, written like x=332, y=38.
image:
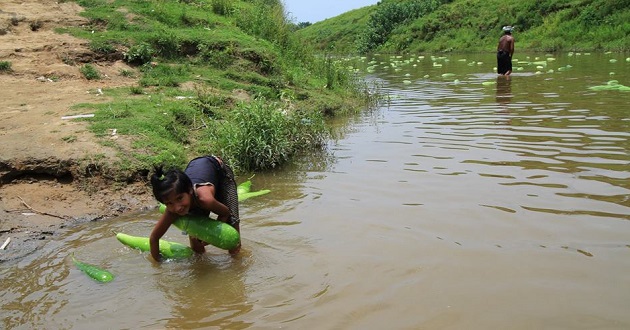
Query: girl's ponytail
x=163, y=183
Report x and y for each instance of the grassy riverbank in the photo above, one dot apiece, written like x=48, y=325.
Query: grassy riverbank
x=214, y=76
x=396, y=26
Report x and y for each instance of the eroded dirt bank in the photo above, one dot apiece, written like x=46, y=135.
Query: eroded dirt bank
x=47, y=178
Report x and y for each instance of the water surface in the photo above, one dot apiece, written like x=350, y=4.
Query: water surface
x=467, y=201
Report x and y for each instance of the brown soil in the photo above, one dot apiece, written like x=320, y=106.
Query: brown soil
x=45, y=159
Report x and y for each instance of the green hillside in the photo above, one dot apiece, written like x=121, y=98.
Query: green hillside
x=337, y=34
x=475, y=25
x=214, y=76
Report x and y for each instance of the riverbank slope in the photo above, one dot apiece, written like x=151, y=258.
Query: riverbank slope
x=42, y=152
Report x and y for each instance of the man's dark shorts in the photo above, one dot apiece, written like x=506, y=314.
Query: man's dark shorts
x=504, y=62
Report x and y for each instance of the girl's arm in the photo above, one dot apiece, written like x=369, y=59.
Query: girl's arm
x=209, y=203
x=165, y=221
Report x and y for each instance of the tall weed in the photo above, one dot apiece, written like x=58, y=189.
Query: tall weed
x=263, y=135
x=222, y=7
x=265, y=19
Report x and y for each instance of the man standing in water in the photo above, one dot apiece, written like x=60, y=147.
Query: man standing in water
x=505, y=50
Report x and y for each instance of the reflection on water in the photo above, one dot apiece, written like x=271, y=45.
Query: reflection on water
x=468, y=201
x=504, y=90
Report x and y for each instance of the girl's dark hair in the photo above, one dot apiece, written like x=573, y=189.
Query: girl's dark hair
x=163, y=183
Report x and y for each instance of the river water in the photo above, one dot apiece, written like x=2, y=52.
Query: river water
x=465, y=201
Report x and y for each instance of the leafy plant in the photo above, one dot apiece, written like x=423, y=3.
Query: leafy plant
x=222, y=7
x=5, y=66
x=139, y=54
x=216, y=57
x=102, y=47
x=90, y=72
x=136, y=90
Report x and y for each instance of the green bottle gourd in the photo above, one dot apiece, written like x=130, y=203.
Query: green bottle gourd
x=211, y=231
x=94, y=272
x=244, y=191
x=169, y=250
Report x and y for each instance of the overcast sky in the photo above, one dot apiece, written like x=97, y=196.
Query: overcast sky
x=319, y=10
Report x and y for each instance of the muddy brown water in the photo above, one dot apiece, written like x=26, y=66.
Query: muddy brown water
x=466, y=202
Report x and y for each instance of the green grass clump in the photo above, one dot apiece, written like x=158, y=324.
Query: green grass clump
x=5, y=66
x=139, y=54
x=261, y=135
x=164, y=75
x=127, y=73
x=90, y=72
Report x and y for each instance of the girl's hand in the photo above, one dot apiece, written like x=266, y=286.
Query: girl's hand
x=224, y=218
x=235, y=250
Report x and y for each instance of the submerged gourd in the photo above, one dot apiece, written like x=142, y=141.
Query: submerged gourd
x=169, y=250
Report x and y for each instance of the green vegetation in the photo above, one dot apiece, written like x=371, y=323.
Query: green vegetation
x=69, y=138
x=337, y=34
x=5, y=66
x=396, y=26
x=90, y=72
x=215, y=76
x=260, y=136
x=388, y=16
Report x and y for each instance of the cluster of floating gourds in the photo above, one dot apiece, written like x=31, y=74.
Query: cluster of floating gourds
x=396, y=62
x=214, y=232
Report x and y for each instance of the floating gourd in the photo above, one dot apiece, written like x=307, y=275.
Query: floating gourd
x=247, y=195
x=93, y=272
x=244, y=191
x=610, y=86
x=244, y=187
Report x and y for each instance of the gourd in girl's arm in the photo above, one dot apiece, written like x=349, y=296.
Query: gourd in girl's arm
x=214, y=232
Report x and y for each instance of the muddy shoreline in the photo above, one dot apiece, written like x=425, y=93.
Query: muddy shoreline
x=49, y=165
x=34, y=209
